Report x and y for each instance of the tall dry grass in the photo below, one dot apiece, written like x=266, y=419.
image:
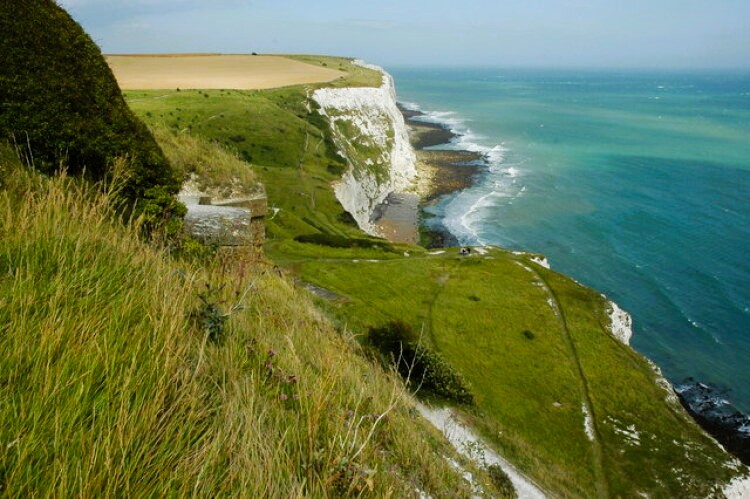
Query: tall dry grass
x=213, y=169
x=112, y=381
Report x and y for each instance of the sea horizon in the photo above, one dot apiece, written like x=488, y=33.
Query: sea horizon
x=738, y=70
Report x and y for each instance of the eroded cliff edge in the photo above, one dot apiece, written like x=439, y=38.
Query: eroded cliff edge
x=370, y=132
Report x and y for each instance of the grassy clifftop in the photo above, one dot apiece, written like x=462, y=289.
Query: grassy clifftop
x=535, y=348
x=279, y=133
x=128, y=369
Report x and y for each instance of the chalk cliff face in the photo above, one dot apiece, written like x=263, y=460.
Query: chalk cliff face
x=371, y=134
x=622, y=323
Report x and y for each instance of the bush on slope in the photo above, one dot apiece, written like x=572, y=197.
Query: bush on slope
x=61, y=103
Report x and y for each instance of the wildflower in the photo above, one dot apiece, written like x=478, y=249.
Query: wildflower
x=283, y=397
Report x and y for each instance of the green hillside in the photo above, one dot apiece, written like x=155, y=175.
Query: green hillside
x=129, y=368
x=273, y=130
x=535, y=347
x=125, y=371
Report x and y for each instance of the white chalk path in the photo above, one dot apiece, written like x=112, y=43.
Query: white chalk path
x=467, y=443
x=739, y=488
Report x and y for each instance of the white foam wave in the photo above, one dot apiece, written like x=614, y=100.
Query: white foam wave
x=410, y=106
x=448, y=119
x=464, y=213
x=465, y=138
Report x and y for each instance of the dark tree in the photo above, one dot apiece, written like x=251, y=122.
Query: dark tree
x=60, y=101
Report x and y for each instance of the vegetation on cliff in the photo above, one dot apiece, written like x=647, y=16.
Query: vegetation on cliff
x=127, y=369
x=278, y=132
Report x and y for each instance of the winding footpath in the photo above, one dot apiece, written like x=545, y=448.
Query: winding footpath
x=590, y=425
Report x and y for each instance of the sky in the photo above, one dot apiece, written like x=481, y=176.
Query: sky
x=511, y=33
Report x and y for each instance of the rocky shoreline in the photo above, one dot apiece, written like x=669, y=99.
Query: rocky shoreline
x=717, y=416
x=441, y=172
x=401, y=216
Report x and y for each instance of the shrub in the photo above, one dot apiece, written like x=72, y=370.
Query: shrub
x=346, y=218
x=398, y=343
x=60, y=100
x=336, y=241
x=501, y=481
x=392, y=337
x=209, y=317
x=337, y=169
x=161, y=213
x=319, y=121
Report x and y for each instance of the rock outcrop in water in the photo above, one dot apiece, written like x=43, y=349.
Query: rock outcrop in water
x=717, y=416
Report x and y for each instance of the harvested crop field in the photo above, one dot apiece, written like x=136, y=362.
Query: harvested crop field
x=214, y=71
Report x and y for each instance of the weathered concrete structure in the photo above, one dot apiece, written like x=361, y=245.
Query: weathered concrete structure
x=227, y=222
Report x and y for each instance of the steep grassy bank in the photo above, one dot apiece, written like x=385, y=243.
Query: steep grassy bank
x=534, y=346
x=279, y=132
x=126, y=371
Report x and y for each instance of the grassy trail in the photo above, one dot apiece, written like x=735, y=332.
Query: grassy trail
x=596, y=446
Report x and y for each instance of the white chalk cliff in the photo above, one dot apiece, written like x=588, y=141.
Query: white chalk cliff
x=367, y=118
x=621, y=324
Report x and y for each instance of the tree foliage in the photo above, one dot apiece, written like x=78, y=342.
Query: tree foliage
x=60, y=102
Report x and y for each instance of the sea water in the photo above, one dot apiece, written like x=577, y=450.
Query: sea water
x=634, y=183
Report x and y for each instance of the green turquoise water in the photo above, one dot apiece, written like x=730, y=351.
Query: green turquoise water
x=637, y=184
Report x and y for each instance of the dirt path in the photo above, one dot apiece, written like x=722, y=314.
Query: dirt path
x=590, y=422
x=473, y=447
x=587, y=407
x=323, y=293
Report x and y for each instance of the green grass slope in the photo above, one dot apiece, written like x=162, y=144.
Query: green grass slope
x=534, y=345
x=279, y=133
x=124, y=371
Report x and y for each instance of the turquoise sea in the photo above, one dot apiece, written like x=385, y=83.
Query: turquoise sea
x=634, y=183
